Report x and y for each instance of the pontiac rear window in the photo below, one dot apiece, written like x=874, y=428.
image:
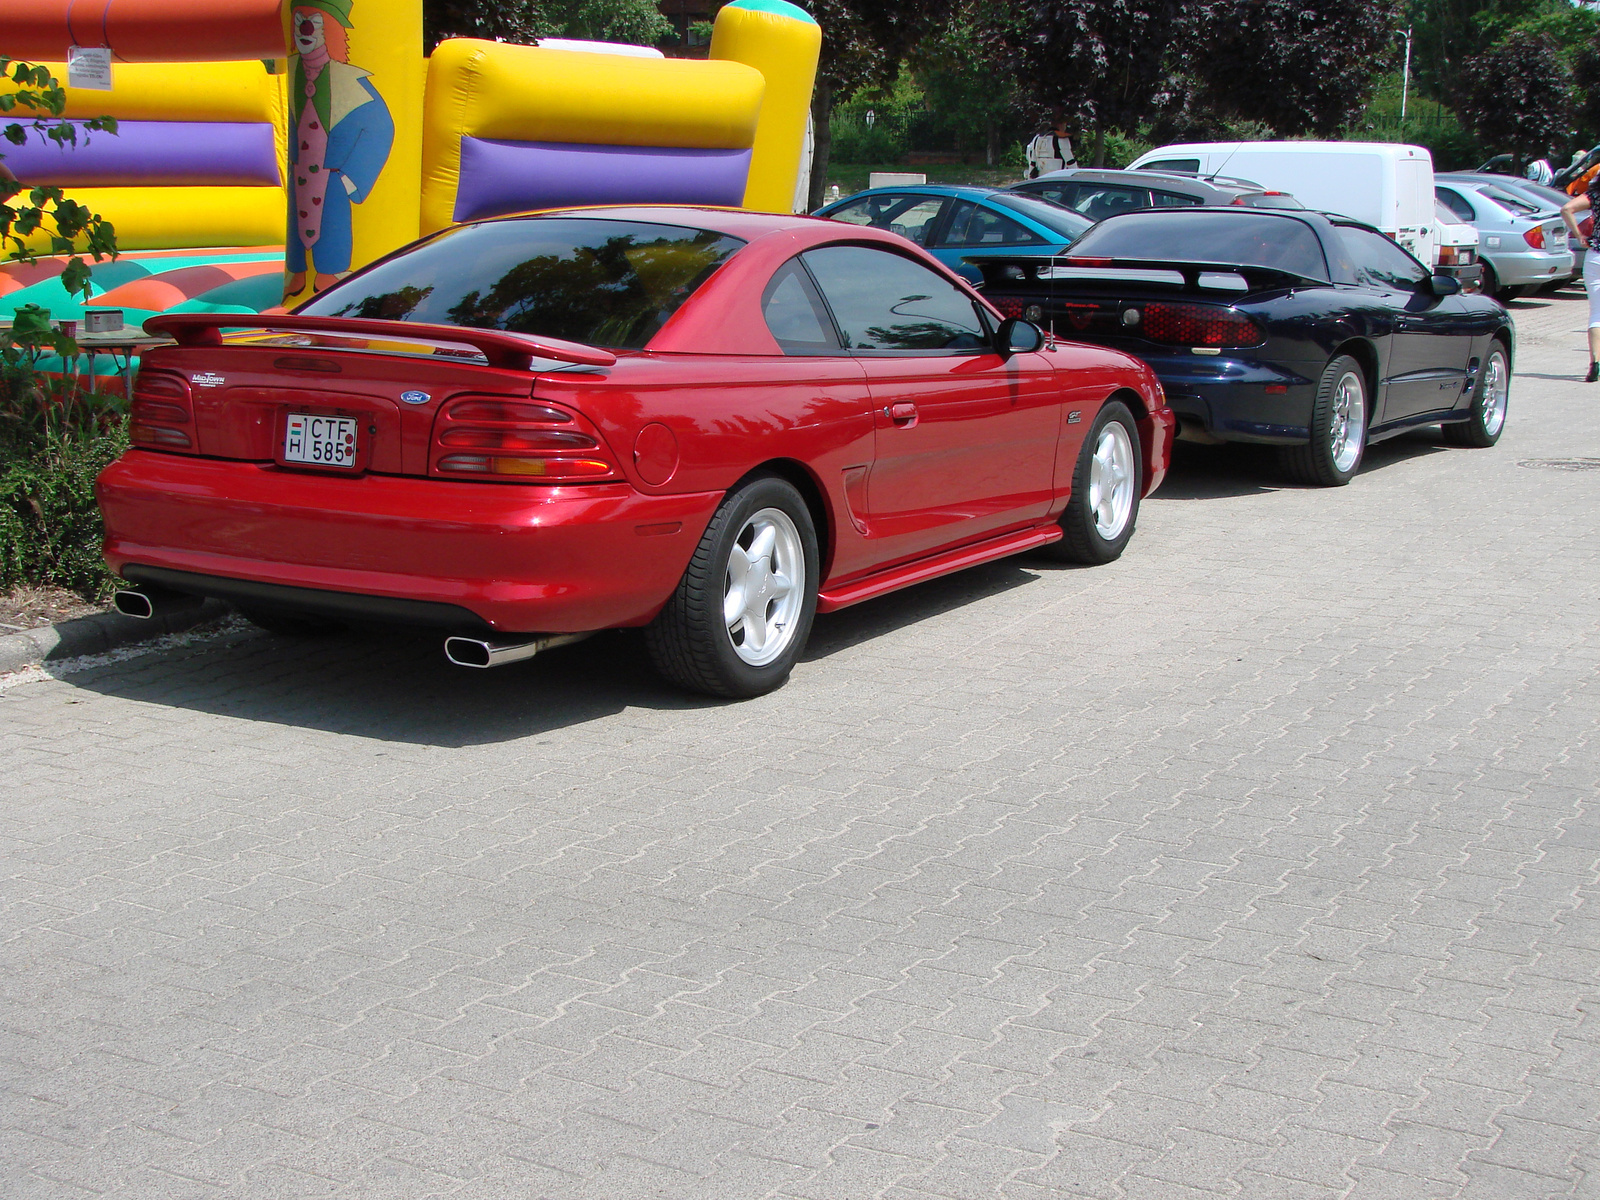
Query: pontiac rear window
x=600, y=282
x=1239, y=238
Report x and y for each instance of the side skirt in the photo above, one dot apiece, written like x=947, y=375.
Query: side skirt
x=924, y=569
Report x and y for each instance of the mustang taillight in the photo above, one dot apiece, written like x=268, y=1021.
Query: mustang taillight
x=517, y=440
x=1198, y=325
x=160, y=416
x=1535, y=237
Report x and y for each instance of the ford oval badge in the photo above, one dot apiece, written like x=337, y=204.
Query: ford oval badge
x=415, y=397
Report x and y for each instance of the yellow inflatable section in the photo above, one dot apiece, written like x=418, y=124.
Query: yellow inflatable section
x=196, y=162
x=782, y=42
x=511, y=128
x=183, y=218
x=192, y=91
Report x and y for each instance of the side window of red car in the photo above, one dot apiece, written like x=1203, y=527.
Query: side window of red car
x=795, y=314
x=882, y=301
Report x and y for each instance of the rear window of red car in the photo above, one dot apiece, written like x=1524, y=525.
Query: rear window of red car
x=600, y=282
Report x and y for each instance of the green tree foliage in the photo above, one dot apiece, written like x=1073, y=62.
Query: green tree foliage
x=1517, y=96
x=863, y=44
x=525, y=21
x=1449, y=32
x=518, y=21
x=1107, y=64
x=1297, y=66
x=638, y=22
x=965, y=85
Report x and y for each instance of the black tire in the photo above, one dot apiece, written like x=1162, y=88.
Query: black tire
x=692, y=644
x=1095, y=527
x=1489, y=284
x=1328, y=459
x=289, y=624
x=1490, y=400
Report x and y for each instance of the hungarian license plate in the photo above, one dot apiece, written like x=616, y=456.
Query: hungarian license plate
x=320, y=441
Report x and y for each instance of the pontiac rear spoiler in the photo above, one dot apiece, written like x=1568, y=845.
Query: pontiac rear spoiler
x=1049, y=274
x=514, y=351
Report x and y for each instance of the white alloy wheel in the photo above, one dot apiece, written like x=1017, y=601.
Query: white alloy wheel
x=763, y=591
x=1112, y=478
x=1347, y=429
x=1496, y=393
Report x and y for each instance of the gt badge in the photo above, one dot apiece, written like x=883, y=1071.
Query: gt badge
x=207, y=379
x=415, y=397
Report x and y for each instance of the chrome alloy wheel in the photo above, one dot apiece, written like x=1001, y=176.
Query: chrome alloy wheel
x=1111, y=481
x=762, y=593
x=1496, y=394
x=1347, y=426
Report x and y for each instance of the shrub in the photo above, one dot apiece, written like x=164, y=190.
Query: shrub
x=54, y=439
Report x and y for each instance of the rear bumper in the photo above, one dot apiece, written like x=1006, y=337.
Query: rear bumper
x=518, y=558
x=1227, y=399
x=1518, y=268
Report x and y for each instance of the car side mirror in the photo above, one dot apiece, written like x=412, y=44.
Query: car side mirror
x=1445, y=285
x=1017, y=336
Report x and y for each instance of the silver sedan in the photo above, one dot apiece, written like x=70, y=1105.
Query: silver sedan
x=1523, y=244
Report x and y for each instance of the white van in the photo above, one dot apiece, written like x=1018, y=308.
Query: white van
x=1385, y=184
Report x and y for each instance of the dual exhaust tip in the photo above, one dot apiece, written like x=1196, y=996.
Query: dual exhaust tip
x=150, y=603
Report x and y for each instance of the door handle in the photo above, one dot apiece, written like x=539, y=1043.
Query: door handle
x=903, y=413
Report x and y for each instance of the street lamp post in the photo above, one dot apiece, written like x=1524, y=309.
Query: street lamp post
x=1405, y=78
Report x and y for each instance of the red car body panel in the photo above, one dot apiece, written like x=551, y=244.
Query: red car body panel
x=918, y=464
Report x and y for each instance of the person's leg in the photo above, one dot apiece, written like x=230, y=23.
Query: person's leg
x=1591, y=284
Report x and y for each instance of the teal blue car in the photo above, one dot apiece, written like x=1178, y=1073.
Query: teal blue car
x=959, y=223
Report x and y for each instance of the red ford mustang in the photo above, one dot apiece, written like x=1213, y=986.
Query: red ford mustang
x=708, y=423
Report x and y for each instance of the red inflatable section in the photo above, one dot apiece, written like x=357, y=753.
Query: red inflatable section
x=144, y=30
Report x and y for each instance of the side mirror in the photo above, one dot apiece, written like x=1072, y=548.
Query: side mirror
x=1016, y=336
x=1445, y=285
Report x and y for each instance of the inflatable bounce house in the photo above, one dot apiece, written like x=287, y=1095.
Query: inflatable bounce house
x=267, y=148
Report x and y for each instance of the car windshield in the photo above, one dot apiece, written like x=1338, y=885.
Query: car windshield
x=1239, y=237
x=1061, y=221
x=600, y=282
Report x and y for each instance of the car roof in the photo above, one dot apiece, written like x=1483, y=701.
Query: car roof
x=961, y=191
x=1220, y=183
x=735, y=222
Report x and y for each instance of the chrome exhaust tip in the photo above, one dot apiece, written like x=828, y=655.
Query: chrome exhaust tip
x=149, y=603
x=134, y=604
x=481, y=654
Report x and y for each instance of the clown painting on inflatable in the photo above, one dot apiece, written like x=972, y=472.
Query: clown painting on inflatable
x=340, y=136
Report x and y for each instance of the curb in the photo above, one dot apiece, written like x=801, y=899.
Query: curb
x=95, y=634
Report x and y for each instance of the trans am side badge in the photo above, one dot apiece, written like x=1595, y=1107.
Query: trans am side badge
x=1074, y=417
x=415, y=397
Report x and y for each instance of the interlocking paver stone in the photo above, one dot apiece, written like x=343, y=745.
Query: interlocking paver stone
x=1261, y=863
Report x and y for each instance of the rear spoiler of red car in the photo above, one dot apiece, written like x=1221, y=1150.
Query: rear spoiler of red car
x=1028, y=274
x=515, y=351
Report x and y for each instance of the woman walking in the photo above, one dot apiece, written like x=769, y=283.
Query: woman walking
x=1591, y=265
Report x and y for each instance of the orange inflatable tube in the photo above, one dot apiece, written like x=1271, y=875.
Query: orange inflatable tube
x=144, y=30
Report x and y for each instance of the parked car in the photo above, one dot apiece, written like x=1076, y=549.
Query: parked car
x=1458, y=250
x=1384, y=184
x=1098, y=194
x=1546, y=197
x=957, y=223
x=705, y=422
x=1312, y=333
x=1523, y=245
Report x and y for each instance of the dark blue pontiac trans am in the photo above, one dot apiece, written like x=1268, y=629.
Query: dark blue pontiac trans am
x=1310, y=332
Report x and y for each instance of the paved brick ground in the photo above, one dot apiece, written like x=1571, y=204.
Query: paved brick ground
x=1262, y=863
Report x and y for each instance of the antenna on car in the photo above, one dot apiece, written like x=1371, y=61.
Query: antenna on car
x=1237, y=146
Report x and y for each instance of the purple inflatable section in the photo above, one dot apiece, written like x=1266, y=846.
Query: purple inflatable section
x=153, y=154
x=503, y=176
